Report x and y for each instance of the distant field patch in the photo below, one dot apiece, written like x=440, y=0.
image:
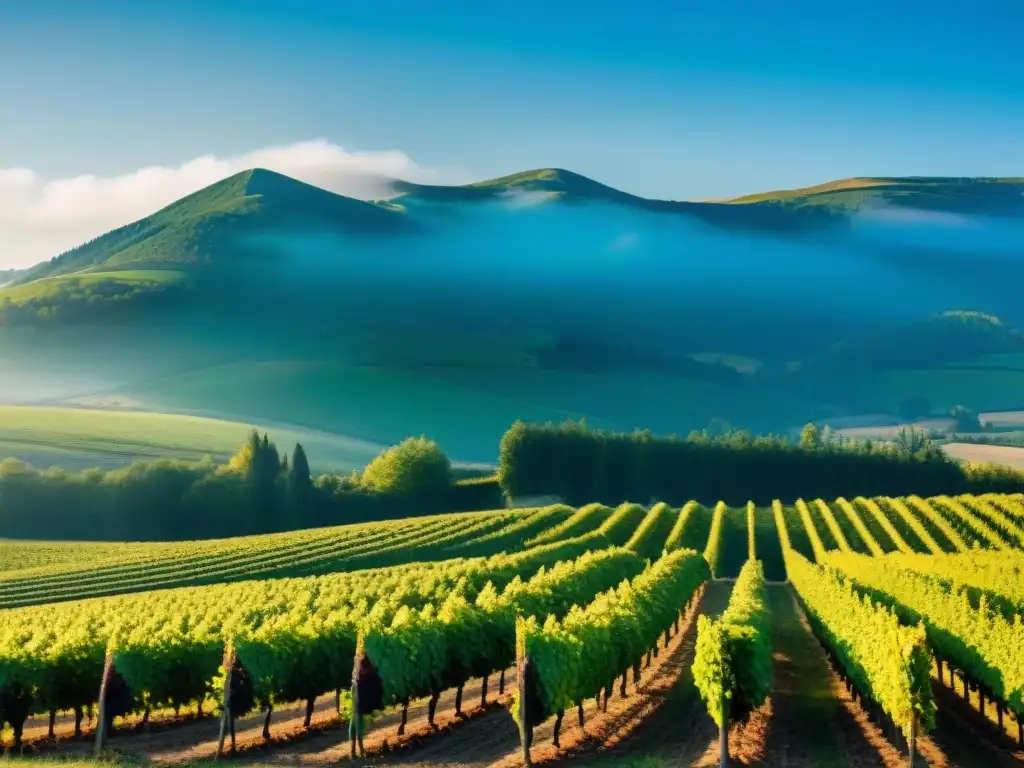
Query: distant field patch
x=53, y=286
x=975, y=387
x=1003, y=418
x=892, y=431
x=991, y=454
x=77, y=438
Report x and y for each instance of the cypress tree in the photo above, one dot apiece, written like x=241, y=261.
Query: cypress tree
x=299, y=480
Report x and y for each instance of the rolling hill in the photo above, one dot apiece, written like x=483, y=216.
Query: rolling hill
x=997, y=197
x=541, y=295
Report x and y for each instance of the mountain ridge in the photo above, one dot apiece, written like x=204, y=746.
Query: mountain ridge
x=181, y=233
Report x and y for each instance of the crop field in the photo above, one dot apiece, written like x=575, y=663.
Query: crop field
x=852, y=631
x=1008, y=455
x=81, y=438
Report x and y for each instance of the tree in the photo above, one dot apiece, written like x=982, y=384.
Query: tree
x=416, y=466
x=810, y=437
x=259, y=464
x=966, y=419
x=299, y=484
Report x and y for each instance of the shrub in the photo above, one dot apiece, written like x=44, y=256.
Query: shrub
x=416, y=467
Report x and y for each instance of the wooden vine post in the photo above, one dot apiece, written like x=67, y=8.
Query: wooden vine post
x=226, y=718
x=912, y=741
x=101, y=718
x=355, y=723
x=723, y=734
x=524, y=715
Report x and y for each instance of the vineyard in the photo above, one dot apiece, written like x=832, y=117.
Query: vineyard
x=543, y=630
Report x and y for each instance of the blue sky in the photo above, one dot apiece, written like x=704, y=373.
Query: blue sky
x=672, y=99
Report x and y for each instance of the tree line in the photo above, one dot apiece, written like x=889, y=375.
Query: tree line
x=583, y=465
x=260, y=490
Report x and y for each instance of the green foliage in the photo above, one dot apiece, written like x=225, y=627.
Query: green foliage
x=295, y=637
x=751, y=534
x=886, y=661
x=996, y=576
x=586, y=519
x=255, y=492
x=768, y=544
x=416, y=467
x=300, y=483
x=583, y=465
x=713, y=547
x=734, y=540
x=732, y=665
x=977, y=641
x=810, y=438
x=966, y=420
x=90, y=298
x=691, y=530
x=584, y=652
x=651, y=536
x=419, y=653
x=623, y=522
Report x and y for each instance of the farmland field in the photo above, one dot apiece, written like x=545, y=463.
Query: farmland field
x=378, y=402
x=1009, y=455
x=424, y=590
x=80, y=438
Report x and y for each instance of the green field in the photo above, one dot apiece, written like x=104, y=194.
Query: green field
x=976, y=387
x=51, y=287
x=78, y=438
x=384, y=404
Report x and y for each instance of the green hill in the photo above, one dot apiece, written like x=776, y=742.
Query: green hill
x=559, y=183
x=203, y=229
x=206, y=228
x=989, y=196
x=950, y=337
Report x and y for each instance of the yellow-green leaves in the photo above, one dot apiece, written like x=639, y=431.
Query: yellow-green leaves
x=733, y=659
x=885, y=660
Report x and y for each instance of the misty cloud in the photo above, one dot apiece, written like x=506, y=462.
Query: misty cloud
x=41, y=217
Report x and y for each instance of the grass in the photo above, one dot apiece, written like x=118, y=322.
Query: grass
x=997, y=196
x=199, y=228
x=49, y=287
x=830, y=186
x=78, y=438
x=384, y=404
x=978, y=388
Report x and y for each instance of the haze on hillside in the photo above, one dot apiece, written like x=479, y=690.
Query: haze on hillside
x=541, y=295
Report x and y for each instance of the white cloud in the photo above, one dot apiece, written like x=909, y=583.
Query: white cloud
x=40, y=217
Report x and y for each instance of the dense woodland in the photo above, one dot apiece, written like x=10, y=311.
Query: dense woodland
x=72, y=301
x=260, y=490
x=584, y=465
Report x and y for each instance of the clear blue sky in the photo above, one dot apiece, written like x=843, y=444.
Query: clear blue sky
x=678, y=99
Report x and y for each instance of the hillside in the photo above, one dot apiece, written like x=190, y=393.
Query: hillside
x=541, y=295
x=998, y=197
x=204, y=228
